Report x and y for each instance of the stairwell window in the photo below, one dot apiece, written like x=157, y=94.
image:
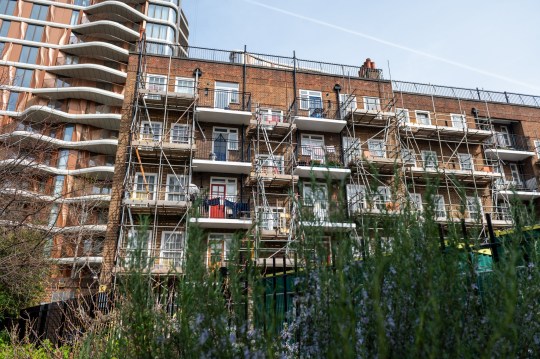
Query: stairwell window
x=219, y=246
x=416, y=202
x=465, y=161
x=474, y=208
x=352, y=150
x=39, y=12
x=347, y=104
x=372, y=103
x=145, y=186
x=422, y=118
x=429, y=159
x=459, y=121
x=382, y=197
x=172, y=249
x=408, y=156
x=34, y=33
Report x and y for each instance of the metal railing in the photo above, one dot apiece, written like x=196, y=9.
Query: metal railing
x=508, y=141
x=95, y=161
x=466, y=94
x=314, y=108
x=321, y=210
x=221, y=149
x=223, y=206
x=314, y=155
x=225, y=99
x=180, y=134
x=525, y=182
x=171, y=192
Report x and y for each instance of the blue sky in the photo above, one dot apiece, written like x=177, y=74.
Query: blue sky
x=476, y=43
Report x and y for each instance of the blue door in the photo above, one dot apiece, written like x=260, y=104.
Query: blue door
x=220, y=148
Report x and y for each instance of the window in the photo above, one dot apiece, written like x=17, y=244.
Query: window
x=224, y=140
x=408, y=156
x=219, y=246
x=172, y=249
x=403, y=117
x=372, y=103
x=356, y=198
x=311, y=101
x=271, y=115
x=176, y=188
x=28, y=54
x=63, y=156
x=74, y=17
x=33, y=33
x=429, y=159
x=465, y=161
x=439, y=206
x=58, y=186
x=53, y=216
x=68, y=132
x=7, y=7
x=416, y=201
x=273, y=218
x=382, y=197
x=422, y=118
x=352, y=150
x=161, y=13
x=474, y=208
x=156, y=83
x=81, y=2
x=151, y=131
x=180, y=134
x=225, y=94
x=377, y=148
x=458, y=121
x=4, y=28
x=145, y=186
x=39, y=12
x=138, y=248
x=347, y=104
x=12, y=101
x=313, y=146
x=517, y=178
x=316, y=198
x=271, y=164
x=71, y=60
x=23, y=77
x=185, y=86
x=159, y=32
x=536, y=145
x=2, y=45
x=503, y=137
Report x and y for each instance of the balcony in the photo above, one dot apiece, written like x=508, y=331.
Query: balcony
x=176, y=93
x=175, y=141
x=222, y=156
x=274, y=119
x=54, y=89
x=120, y=9
x=373, y=115
x=509, y=147
x=384, y=158
x=316, y=115
x=320, y=162
x=222, y=211
x=87, y=71
x=79, y=46
x=275, y=220
x=107, y=30
x=98, y=166
x=40, y=113
x=149, y=197
x=428, y=125
x=273, y=170
x=321, y=213
x=525, y=187
x=224, y=107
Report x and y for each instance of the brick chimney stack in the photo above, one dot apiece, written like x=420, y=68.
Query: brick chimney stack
x=369, y=70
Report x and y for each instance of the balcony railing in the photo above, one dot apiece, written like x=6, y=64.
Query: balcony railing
x=178, y=134
x=314, y=155
x=221, y=149
x=508, y=141
x=453, y=163
x=314, y=108
x=525, y=183
x=223, y=206
x=95, y=161
x=171, y=192
x=225, y=99
x=321, y=210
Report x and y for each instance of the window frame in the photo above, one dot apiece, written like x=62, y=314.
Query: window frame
x=4, y=28
x=150, y=195
x=42, y=12
x=8, y=8
x=176, y=255
x=462, y=121
x=429, y=159
x=230, y=94
x=182, y=194
x=422, y=112
x=372, y=103
x=151, y=134
x=463, y=164
x=187, y=90
x=32, y=29
x=439, y=206
x=225, y=239
x=405, y=119
x=372, y=144
x=13, y=100
x=28, y=52
x=24, y=79
x=305, y=102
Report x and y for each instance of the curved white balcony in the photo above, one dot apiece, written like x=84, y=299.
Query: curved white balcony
x=81, y=260
x=94, y=198
x=97, y=49
x=98, y=172
x=117, y=8
x=39, y=113
x=89, y=72
x=107, y=29
x=83, y=93
x=104, y=146
x=87, y=229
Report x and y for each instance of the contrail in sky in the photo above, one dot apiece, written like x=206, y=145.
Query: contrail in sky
x=393, y=44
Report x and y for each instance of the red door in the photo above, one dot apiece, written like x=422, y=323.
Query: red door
x=217, y=201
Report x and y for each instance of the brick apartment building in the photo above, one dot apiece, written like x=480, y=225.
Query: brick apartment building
x=63, y=68
x=266, y=145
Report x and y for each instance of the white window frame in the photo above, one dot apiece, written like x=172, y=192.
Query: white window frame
x=402, y=115
x=356, y=198
x=474, y=207
x=182, y=193
x=230, y=92
x=173, y=258
x=305, y=95
x=372, y=103
x=466, y=162
x=155, y=86
x=517, y=176
x=377, y=148
x=351, y=102
x=429, y=159
x=271, y=164
x=352, y=149
x=273, y=218
x=416, y=202
x=537, y=148
x=145, y=195
x=271, y=115
x=458, y=121
x=176, y=135
x=420, y=112
x=317, y=198
x=226, y=241
x=229, y=182
x=439, y=206
x=227, y=133
x=150, y=135
x=408, y=156
x=187, y=89
x=313, y=146
x=382, y=197
x=130, y=248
